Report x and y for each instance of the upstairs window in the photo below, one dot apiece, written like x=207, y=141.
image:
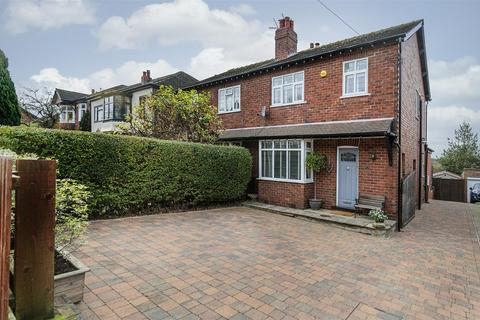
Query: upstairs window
x=229, y=99
x=288, y=89
x=355, y=77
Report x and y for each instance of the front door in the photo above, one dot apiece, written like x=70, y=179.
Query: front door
x=347, y=176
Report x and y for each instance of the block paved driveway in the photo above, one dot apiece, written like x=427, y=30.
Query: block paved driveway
x=240, y=263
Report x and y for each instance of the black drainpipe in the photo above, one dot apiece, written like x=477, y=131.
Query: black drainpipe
x=420, y=147
x=425, y=182
x=399, y=144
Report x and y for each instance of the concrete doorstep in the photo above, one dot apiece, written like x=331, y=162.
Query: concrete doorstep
x=360, y=224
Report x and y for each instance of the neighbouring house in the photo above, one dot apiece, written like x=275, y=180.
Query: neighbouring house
x=73, y=105
x=27, y=118
x=361, y=101
x=110, y=106
x=446, y=175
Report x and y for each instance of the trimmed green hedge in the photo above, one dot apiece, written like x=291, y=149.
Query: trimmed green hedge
x=131, y=174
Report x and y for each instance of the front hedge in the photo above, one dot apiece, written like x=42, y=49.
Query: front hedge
x=131, y=174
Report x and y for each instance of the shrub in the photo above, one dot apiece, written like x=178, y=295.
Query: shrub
x=378, y=215
x=71, y=208
x=71, y=216
x=130, y=174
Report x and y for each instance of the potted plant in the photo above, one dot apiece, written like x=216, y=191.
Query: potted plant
x=71, y=221
x=316, y=162
x=379, y=217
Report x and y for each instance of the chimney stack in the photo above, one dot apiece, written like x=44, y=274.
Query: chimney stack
x=311, y=45
x=285, y=39
x=145, y=77
x=93, y=91
x=317, y=44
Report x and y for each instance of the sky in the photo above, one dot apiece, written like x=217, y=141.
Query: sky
x=85, y=44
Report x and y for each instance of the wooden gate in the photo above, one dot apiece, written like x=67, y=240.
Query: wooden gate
x=408, y=199
x=34, y=237
x=5, y=208
x=450, y=189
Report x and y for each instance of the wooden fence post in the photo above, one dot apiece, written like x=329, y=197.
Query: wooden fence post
x=34, y=239
x=5, y=210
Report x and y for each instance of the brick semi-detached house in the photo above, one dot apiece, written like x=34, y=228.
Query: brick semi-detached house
x=361, y=101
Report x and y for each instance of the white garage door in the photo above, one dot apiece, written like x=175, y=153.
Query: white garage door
x=470, y=183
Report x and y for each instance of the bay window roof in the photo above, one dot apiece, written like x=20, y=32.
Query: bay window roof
x=332, y=129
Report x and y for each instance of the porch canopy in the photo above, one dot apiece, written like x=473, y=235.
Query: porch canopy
x=332, y=129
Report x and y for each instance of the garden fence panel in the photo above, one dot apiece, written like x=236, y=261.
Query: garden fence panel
x=5, y=210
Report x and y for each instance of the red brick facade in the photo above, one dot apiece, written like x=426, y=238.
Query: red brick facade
x=412, y=84
x=378, y=174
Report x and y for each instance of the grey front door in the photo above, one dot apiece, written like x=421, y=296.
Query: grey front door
x=347, y=177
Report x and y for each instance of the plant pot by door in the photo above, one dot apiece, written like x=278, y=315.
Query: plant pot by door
x=315, y=204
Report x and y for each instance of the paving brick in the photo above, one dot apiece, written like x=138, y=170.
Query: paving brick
x=240, y=263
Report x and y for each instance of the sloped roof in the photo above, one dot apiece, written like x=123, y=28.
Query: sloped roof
x=69, y=96
x=446, y=175
x=391, y=33
x=176, y=80
x=331, y=129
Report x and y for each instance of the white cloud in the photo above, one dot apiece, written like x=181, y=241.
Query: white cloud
x=455, y=90
x=243, y=9
x=128, y=73
x=46, y=14
x=227, y=39
x=443, y=121
x=456, y=82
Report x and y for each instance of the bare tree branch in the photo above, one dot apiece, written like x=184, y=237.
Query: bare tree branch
x=39, y=103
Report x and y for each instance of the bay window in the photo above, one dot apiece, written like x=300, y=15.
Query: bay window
x=229, y=99
x=284, y=160
x=355, y=77
x=67, y=115
x=288, y=89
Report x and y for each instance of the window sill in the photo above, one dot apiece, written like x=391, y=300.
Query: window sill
x=285, y=180
x=354, y=95
x=288, y=104
x=227, y=112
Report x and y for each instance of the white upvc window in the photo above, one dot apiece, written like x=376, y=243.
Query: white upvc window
x=67, y=115
x=108, y=108
x=229, y=99
x=284, y=160
x=98, y=116
x=82, y=109
x=355, y=77
x=288, y=89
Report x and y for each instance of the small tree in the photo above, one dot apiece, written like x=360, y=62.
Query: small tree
x=86, y=124
x=9, y=109
x=316, y=162
x=174, y=115
x=39, y=102
x=463, y=150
